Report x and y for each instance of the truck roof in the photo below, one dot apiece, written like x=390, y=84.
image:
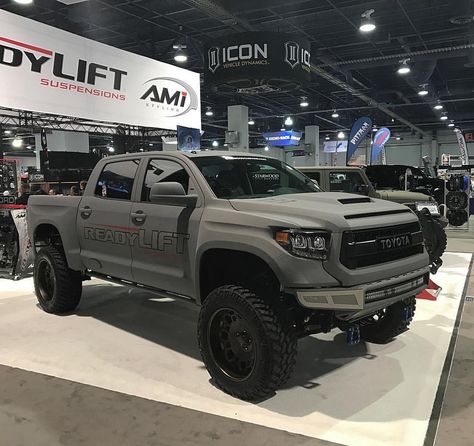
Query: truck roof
x=193, y=154
x=309, y=168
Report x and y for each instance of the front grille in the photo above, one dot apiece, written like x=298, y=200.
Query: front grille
x=362, y=248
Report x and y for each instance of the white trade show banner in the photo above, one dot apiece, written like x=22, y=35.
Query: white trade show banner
x=48, y=70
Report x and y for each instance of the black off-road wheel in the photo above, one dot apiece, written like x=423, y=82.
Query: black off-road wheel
x=58, y=288
x=248, y=350
x=389, y=322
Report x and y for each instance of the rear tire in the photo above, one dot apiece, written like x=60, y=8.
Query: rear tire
x=389, y=322
x=58, y=288
x=248, y=350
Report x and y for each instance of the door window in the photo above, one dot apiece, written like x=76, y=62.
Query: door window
x=161, y=170
x=116, y=180
x=349, y=182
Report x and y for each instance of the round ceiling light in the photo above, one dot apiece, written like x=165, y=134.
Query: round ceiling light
x=404, y=68
x=335, y=114
x=304, y=102
x=215, y=143
x=341, y=135
x=289, y=121
x=209, y=111
x=24, y=2
x=17, y=143
x=367, y=24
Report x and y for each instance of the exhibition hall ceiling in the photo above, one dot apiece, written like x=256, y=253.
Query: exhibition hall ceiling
x=437, y=36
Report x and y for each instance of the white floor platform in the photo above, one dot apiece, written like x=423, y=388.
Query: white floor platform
x=133, y=342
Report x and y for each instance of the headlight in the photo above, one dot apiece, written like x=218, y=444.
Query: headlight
x=305, y=243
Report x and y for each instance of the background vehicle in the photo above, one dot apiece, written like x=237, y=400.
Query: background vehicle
x=393, y=177
x=355, y=180
x=267, y=255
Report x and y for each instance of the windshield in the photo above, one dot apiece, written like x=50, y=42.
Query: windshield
x=248, y=177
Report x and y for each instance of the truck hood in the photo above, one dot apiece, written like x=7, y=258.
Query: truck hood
x=401, y=196
x=326, y=210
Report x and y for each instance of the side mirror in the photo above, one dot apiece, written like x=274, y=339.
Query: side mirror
x=363, y=189
x=172, y=194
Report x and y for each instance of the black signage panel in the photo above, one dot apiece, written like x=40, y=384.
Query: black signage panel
x=255, y=58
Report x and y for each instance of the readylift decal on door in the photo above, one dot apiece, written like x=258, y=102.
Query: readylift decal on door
x=157, y=240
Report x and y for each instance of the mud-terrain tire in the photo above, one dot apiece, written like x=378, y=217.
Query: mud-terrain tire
x=389, y=322
x=434, y=237
x=247, y=349
x=58, y=288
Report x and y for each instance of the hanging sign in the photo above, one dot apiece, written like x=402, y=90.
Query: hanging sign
x=45, y=69
x=462, y=147
x=359, y=131
x=380, y=139
x=252, y=59
x=281, y=139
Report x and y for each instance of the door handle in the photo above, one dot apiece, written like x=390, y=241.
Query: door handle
x=138, y=217
x=85, y=212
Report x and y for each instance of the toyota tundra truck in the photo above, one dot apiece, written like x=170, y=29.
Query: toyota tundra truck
x=267, y=255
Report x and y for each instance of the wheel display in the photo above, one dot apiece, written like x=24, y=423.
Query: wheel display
x=389, y=322
x=247, y=349
x=457, y=218
x=456, y=200
x=58, y=288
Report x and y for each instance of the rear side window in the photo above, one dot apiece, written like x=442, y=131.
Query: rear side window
x=349, y=182
x=116, y=180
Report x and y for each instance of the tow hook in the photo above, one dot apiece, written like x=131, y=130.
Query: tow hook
x=408, y=313
x=353, y=335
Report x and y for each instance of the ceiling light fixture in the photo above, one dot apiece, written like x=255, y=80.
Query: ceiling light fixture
x=423, y=91
x=209, y=111
x=304, y=102
x=335, y=114
x=111, y=149
x=367, y=24
x=404, y=68
x=215, y=143
x=267, y=148
x=251, y=121
x=451, y=124
x=444, y=118
x=7, y=132
x=341, y=135
x=327, y=138
x=17, y=143
x=24, y=2
x=438, y=106
x=180, y=56
x=289, y=121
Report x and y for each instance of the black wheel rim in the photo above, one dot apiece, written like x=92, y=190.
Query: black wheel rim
x=232, y=344
x=46, y=280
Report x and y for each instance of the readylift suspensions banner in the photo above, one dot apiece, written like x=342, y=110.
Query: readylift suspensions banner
x=45, y=69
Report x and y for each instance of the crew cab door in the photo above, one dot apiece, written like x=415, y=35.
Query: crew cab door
x=103, y=221
x=164, y=256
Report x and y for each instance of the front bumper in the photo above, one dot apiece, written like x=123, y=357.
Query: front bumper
x=355, y=302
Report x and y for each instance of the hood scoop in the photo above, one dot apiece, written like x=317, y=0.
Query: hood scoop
x=354, y=200
x=377, y=214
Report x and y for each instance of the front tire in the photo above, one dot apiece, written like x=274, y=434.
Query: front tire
x=58, y=288
x=248, y=350
x=389, y=322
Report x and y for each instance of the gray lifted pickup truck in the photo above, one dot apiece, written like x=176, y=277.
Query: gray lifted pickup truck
x=267, y=255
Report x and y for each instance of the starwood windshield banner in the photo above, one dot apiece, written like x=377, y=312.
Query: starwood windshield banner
x=45, y=69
